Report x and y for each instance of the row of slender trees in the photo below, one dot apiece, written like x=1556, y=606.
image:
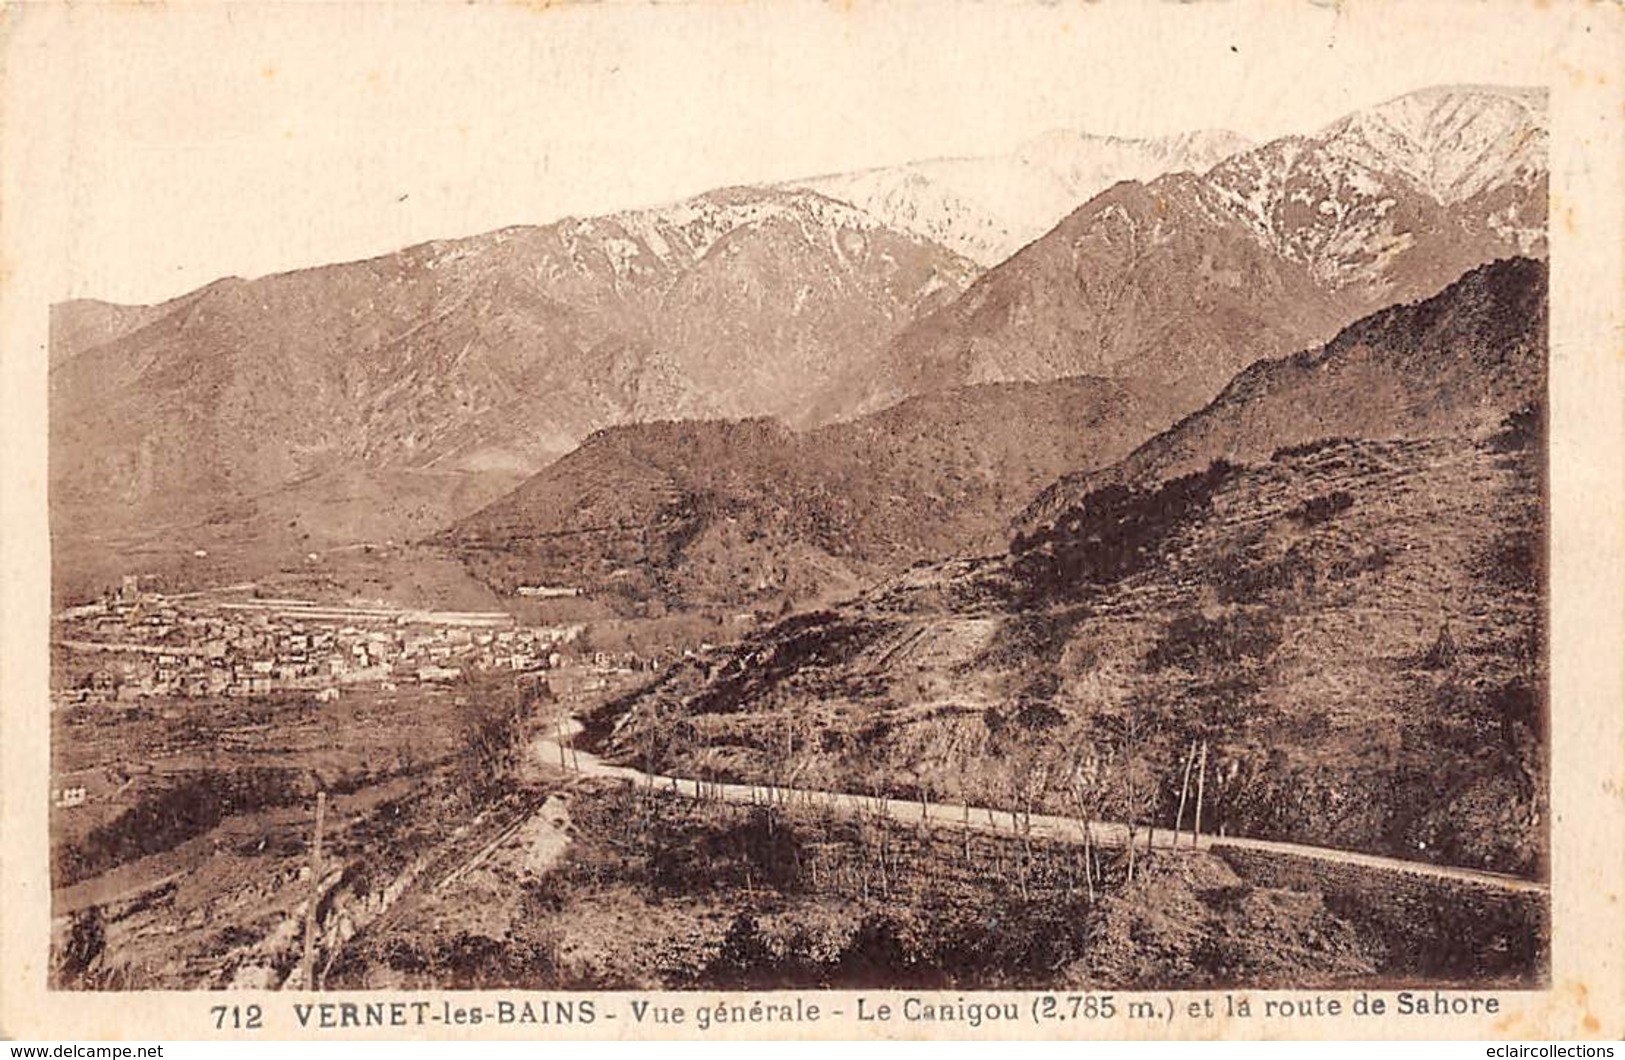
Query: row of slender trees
x=1109, y=788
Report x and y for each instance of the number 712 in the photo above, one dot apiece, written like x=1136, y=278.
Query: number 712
x=238, y=1017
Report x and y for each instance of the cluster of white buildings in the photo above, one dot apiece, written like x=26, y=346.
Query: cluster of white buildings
x=136, y=645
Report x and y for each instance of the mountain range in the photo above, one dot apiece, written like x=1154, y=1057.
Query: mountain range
x=1187, y=279
x=1349, y=612
x=394, y=396
x=481, y=358
x=1180, y=288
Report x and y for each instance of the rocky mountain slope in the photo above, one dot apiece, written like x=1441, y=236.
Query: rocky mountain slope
x=1454, y=363
x=85, y=323
x=988, y=208
x=752, y=513
x=483, y=357
x=1353, y=624
x=1187, y=279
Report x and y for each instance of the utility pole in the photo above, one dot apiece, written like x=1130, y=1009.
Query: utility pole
x=308, y=964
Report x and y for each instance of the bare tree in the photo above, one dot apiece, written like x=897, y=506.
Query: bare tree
x=1032, y=771
x=1134, y=781
x=964, y=748
x=1083, y=788
x=1184, y=790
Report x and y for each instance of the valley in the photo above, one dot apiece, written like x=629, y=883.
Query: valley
x=1119, y=564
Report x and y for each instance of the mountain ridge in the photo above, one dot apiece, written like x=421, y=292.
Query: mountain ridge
x=1381, y=377
x=988, y=207
x=1189, y=278
x=726, y=511
x=491, y=354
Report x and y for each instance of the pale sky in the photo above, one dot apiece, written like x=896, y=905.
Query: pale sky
x=177, y=144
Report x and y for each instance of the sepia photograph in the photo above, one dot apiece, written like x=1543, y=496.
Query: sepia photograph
x=553, y=501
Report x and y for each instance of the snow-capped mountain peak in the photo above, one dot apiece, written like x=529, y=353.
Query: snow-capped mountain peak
x=987, y=208
x=1452, y=142
x=1346, y=200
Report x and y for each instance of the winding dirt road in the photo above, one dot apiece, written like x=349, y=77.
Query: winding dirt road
x=559, y=752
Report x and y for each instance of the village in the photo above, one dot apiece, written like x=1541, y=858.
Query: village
x=134, y=644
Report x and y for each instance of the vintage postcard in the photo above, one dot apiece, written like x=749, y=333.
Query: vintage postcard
x=776, y=519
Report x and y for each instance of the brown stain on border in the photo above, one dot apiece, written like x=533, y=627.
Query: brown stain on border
x=1565, y=1010
x=1581, y=994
